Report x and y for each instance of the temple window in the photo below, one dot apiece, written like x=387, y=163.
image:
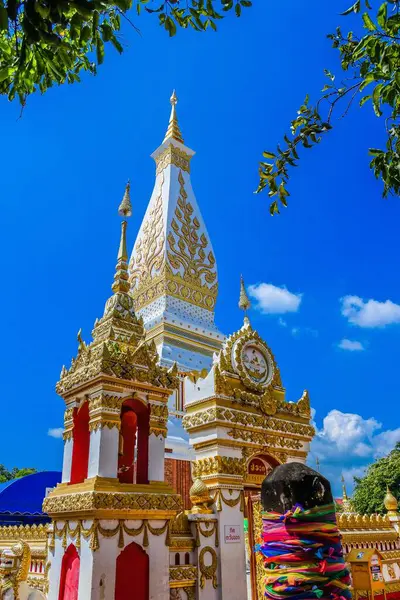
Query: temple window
x=187, y=558
x=81, y=441
x=134, y=442
x=177, y=559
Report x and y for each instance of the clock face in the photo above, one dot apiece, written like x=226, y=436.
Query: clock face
x=255, y=363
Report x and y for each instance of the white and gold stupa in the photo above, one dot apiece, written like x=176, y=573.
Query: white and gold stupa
x=173, y=271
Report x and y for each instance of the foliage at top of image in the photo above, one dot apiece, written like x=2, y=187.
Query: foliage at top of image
x=47, y=42
x=371, y=64
x=370, y=490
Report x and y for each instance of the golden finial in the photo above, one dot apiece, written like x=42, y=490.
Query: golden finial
x=244, y=302
x=200, y=498
x=121, y=283
x=125, y=208
x=173, y=131
x=391, y=503
x=346, y=500
x=344, y=488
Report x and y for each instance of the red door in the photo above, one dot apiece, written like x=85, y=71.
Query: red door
x=132, y=576
x=69, y=580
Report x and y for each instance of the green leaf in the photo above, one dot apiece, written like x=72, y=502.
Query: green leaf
x=269, y=154
x=355, y=8
x=3, y=19
x=369, y=24
x=376, y=99
x=5, y=73
x=99, y=50
x=382, y=15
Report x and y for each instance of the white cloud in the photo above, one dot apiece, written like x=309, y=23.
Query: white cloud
x=370, y=313
x=282, y=322
x=351, y=345
x=347, y=443
x=56, y=432
x=272, y=299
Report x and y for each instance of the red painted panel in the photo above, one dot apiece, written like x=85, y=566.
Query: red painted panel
x=80, y=451
x=128, y=433
x=142, y=434
x=132, y=574
x=69, y=580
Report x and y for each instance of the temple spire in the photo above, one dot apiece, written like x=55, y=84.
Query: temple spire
x=244, y=302
x=173, y=131
x=125, y=208
x=121, y=283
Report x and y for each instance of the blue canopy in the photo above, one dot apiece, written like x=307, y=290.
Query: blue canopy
x=24, y=496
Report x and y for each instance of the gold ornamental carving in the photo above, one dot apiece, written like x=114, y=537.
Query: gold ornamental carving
x=264, y=439
x=92, y=533
x=178, y=266
x=158, y=431
x=210, y=415
x=173, y=156
x=104, y=422
x=220, y=498
x=232, y=360
x=187, y=248
x=149, y=248
x=215, y=465
x=105, y=401
x=207, y=532
x=183, y=573
x=208, y=571
x=24, y=532
x=115, y=501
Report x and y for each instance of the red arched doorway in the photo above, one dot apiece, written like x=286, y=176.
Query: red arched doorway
x=69, y=579
x=132, y=575
x=134, y=435
x=80, y=450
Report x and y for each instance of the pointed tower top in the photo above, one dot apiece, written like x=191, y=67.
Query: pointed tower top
x=244, y=302
x=345, y=497
x=125, y=208
x=173, y=131
x=121, y=283
x=347, y=507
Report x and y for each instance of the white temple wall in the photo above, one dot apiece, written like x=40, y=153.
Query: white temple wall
x=233, y=580
x=97, y=569
x=158, y=553
x=55, y=558
x=103, y=452
x=67, y=461
x=156, y=457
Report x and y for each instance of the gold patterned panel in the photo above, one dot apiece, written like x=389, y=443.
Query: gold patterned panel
x=214, y=465
x=183, y=573
x=178, y=265
x=173, y=156
x=93, y=501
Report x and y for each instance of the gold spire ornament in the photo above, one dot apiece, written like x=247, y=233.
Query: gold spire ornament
x=125, y=208
x=173, y=131
x=121, y=283
x=391, y=503
x=346, y=500
x=244, y=302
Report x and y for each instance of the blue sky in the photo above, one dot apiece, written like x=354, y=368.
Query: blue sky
x=65, y=164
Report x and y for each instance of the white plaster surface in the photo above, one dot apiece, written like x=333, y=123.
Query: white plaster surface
x=103, y=453
x=67, y=461
x=156, y=457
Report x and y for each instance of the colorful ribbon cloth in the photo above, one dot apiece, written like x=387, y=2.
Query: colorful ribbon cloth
x=303, y=555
